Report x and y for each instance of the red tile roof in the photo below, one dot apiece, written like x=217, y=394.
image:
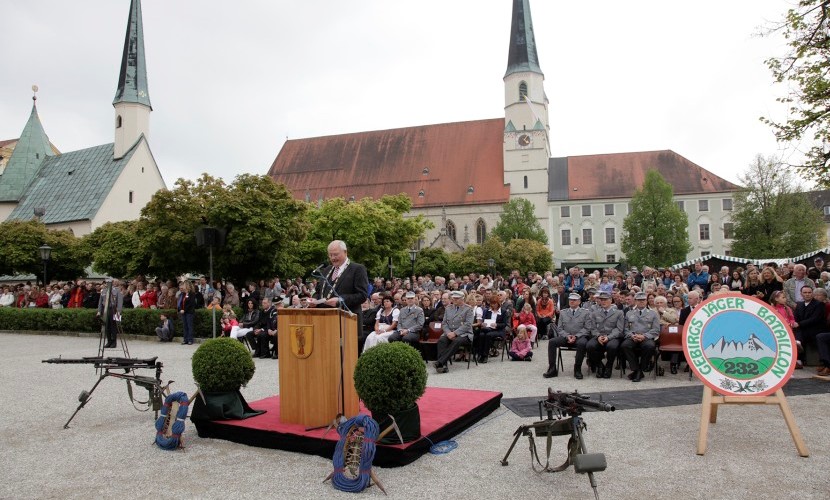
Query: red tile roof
x=618, y=175
x=371, y=164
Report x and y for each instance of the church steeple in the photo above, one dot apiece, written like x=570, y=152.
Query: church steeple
x=31, y=149
x=132, y=99
x=526, y=124
x=522, y=56
x=132, y=81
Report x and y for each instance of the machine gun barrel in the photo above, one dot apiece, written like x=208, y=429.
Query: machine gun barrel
x=111, y=362
x=567, y=400
x=597, y=405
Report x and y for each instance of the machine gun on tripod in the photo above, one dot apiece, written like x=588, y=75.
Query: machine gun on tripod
x=564, y=418
x=124, y=369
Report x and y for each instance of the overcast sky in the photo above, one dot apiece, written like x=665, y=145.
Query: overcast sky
x=230, y=81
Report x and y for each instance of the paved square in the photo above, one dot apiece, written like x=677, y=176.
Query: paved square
x=108, y=452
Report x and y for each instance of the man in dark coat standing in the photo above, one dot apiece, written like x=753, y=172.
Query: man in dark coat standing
x=344, y=278
x=809, y=321
x=110, y=311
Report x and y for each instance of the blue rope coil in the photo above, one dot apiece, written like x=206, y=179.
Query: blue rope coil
x=442, y=447
x=177, y=427
x=367, y=454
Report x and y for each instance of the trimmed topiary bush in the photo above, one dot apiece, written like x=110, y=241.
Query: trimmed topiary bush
x=222, y=365
x=390, y=378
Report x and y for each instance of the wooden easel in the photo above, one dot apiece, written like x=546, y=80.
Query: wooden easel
x=709, y=414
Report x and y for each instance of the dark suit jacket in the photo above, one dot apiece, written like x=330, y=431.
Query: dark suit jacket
x=810, y=318
x=684, y=314
x=353, y=286
x=436, y=313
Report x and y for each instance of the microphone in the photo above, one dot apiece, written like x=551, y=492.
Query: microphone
x=317, y=269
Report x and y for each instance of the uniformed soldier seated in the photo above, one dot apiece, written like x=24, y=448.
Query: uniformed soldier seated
x=573, y=331
x=458, y=330
x=642, y=325
x=608, y=324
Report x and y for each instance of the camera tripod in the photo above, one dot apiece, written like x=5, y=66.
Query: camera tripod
x=567, y=421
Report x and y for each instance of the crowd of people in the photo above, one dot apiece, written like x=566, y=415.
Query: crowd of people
x=603, y=315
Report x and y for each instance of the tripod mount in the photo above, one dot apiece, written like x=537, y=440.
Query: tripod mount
x=564, y=418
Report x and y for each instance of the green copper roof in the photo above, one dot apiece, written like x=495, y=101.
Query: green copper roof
x=132, y=81
x=31, y=150
x=72, y=186
x=522, y=56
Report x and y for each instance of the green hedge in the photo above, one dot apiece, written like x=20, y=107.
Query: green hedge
x=133, y=321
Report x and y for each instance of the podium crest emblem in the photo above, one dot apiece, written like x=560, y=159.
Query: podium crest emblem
x=302, y=340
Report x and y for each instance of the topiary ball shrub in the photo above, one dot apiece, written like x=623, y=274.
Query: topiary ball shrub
x=390, y=378
x=222, y=365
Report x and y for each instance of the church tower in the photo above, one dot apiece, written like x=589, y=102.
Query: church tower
x=527, y=130
x=132, y=100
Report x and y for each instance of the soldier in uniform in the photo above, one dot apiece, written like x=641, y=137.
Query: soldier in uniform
x=410, y=322
x=458, y=330
x=574, y=331
x=608, y=326
x=642, y=325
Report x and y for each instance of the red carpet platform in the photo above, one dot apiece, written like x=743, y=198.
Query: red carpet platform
x=444, y=413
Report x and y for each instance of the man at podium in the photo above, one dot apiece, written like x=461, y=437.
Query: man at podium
x=348, y=279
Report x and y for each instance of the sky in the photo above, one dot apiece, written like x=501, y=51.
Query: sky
x=230, y=81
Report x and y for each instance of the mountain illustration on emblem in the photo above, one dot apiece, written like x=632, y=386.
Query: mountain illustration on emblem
x=741, y=360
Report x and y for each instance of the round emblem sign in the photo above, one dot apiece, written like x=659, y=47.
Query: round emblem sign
x=738, y=346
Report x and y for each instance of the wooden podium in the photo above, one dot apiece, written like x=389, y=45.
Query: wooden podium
x=309, y=366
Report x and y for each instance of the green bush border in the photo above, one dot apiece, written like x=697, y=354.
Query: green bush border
x=133, y=321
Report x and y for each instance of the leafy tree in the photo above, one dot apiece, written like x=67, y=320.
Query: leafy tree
x=474, y=258
x=264, y=225
x=19, y=254
x=373, y=230
x=527, y=255
x=168, y=223
x=772, y=218
x=655, y=233
x=518, y=221
x=805, y=70
x=434, y=261
x=114, y=249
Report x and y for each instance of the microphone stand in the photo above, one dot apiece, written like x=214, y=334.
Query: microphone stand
x=341, y=305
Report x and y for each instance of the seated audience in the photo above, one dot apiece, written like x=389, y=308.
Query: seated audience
x=386, y=321
x=410, y=322
x=458, y=330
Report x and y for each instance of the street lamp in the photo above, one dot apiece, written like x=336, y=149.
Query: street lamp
x=45, y=256
x=491, y=264
x=412, y=254
x=391, y=268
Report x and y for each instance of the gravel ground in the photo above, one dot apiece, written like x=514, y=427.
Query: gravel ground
x=108, y=450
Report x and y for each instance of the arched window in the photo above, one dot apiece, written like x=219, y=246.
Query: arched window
x=481, y=231
x=451, y=230
x=522, y=91
x=118, y=122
